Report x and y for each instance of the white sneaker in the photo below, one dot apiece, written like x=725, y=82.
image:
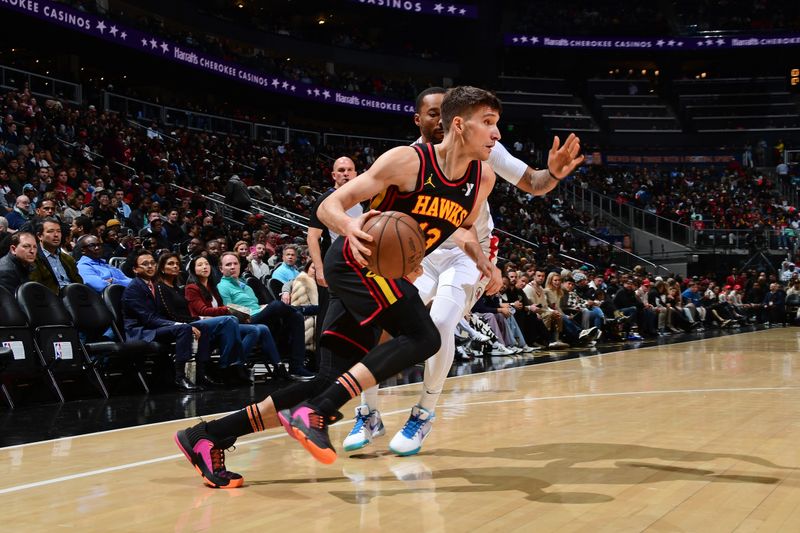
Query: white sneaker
x=499, y=349
x=480, y=337
x=461, y=352
x=368, y=425
x=528, y=349
x=408, y=441
x=558, y=345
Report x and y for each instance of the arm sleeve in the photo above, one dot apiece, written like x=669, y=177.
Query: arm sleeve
x=281, y=274
x=198, y=306
x=506, y=165
x=313, y=220
x=119, y=277
x=222, y=289
x=91, y=277
x=145, y=315
x=9, y=281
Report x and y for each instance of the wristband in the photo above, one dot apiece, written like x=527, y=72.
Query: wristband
x=551, y=175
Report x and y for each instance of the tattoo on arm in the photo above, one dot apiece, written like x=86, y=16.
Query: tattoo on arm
x=541, y=181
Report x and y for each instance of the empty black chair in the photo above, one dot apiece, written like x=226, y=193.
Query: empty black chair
x=112, y=297
x=6, y=357
x=275, y=286
x=265, y=284
x=24, y=359
x=94, y=320
x=259, y=289
x=54, y=336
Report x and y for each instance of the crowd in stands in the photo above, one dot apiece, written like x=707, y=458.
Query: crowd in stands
x=89, y=198
x=548, y=226
x=398, y=86
x=711, y=198
x=66, y=216
x=547, y=306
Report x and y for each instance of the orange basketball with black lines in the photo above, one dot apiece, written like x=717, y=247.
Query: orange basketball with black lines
x=398, y=244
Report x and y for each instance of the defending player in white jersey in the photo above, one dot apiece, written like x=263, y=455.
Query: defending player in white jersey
x=450, y=282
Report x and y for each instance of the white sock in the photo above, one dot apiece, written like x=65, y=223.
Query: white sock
x=370, y=397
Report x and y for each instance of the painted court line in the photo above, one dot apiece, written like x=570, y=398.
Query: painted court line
x=496, y=370
x=90, y=473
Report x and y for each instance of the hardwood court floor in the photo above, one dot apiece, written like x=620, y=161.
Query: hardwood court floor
x=699, y=436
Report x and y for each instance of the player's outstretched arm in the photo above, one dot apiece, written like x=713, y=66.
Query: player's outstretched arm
x=562, y=160
x=399, y=166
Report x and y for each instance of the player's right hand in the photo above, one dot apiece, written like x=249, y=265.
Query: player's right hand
x=494, y=275
x=357, y=237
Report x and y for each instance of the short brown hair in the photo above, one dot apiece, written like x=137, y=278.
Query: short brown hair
x=463, y=100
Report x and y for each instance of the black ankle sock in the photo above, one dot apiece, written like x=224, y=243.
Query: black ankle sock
x=338, y=394
x=243, y=422
x=180, y=370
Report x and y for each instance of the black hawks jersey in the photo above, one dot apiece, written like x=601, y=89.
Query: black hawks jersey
x=439, y=205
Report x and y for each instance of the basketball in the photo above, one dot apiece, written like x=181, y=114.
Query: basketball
x=398, y=244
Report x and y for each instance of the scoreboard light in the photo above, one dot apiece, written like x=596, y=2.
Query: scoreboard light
x=794, y=79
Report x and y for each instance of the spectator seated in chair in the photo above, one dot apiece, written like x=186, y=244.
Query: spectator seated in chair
x=258, y=266
x=53, y=268
x=204, y=300
x=287, y=270
x=16, y=265
x=143, y=322
x=95, y=271
x=573, y=333
x=774, y=306
x=234, y=290
x=222, y=331
x=303, y=295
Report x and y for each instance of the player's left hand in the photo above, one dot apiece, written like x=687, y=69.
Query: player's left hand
x=562, y=160
x=357, y=237
x=414, y=276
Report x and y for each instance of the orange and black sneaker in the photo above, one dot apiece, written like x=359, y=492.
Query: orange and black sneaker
x=207, y=455
x=310, y=428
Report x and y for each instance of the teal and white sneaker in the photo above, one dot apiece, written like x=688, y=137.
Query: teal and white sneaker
x=408, y=441
x=368, y=425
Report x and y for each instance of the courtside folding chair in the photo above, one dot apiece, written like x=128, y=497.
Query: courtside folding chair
x=55, y=336
x=95, y=323
x=24, y=361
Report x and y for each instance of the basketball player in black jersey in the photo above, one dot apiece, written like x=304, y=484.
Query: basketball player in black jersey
x=438, y=186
